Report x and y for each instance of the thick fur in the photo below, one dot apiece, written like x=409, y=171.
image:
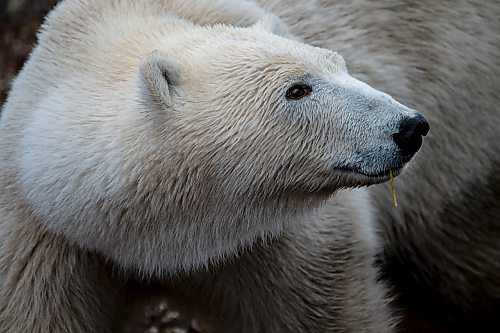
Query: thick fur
x=316, y=278
x=140, y=147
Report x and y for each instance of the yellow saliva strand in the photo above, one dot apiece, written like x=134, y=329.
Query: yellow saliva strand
x=393, y=188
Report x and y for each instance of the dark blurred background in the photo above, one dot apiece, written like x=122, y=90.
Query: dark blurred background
x=19, y=22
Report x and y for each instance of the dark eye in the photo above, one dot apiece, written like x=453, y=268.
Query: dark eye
x=298, y=91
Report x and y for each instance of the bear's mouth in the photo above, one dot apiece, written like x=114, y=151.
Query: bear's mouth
x=377, y=176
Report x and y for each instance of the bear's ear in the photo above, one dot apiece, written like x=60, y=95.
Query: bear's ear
x=160, y=75
x=274, y=25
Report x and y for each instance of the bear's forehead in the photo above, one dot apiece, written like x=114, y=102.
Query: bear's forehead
x=250, y=51
x=247, y=55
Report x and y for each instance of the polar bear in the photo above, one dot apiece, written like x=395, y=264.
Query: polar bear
x=140, y=149
x=442, y=240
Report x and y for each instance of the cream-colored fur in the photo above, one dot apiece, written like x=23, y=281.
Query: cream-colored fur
x=318, y=277
x=139, y=148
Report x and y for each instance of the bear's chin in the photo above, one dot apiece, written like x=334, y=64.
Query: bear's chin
x=345, y=178
x=357, y=179
x=340, y=179
x=368, y=178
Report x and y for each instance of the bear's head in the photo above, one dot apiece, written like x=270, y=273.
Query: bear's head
x=228, y=134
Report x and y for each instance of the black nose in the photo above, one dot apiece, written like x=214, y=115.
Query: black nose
x=409, y=137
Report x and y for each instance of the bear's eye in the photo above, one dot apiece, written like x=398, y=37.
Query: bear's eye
x=298, y=91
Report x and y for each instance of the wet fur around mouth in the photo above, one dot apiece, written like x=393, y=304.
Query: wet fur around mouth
x=383, y=174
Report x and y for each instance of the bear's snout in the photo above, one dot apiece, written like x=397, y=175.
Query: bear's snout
x=409, y=137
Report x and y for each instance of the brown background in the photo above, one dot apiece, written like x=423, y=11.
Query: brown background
x=19, y=21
